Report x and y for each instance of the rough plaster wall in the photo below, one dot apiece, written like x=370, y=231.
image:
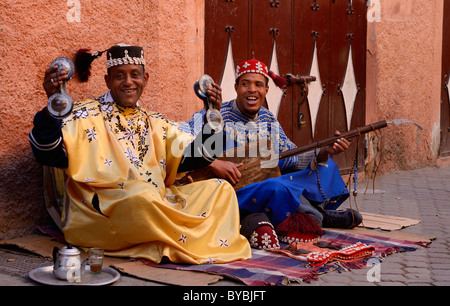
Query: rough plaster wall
x=404, y=63
x=33, y=33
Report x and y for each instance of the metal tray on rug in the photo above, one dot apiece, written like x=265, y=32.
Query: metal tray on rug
x=44, y=275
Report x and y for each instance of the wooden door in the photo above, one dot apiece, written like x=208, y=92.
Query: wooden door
x=323, y=38
x=444, y=149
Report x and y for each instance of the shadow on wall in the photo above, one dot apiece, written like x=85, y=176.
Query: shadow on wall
x=22, y=205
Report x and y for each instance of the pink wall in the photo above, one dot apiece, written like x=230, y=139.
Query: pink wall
x=403, y=76
x=404, y=43
x=34, y=32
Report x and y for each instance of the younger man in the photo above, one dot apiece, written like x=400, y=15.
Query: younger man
x=265, y=205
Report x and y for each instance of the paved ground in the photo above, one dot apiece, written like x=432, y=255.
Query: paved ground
x=420, y=194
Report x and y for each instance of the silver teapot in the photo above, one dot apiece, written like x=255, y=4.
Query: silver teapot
x=67, y=264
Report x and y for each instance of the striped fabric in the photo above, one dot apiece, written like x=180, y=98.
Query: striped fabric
x=269, y=268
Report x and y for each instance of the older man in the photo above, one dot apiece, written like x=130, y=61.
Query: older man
x=275, y=200
x=121, y=162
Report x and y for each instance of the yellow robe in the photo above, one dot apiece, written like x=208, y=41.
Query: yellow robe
x=122, y=164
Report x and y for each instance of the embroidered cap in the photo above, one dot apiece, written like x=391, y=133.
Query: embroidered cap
x=123, y=54
x=120, y=54
x=252, y=66
x=256, y=66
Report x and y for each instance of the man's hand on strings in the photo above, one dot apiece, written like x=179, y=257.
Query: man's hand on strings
x=337, y=147
x=226, y=170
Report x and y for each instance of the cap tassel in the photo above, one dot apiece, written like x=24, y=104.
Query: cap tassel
x=299, y=222
x=278, y=80
x=83, y=60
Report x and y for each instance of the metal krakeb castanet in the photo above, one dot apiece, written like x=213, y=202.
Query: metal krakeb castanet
x=60, y=104
x=213, y=116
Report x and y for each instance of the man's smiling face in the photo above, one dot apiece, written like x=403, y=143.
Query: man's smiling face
x=251, y=89
x=126, y=83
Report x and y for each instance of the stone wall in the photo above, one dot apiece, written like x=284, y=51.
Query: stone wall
x=404, y=43
x=404, y=53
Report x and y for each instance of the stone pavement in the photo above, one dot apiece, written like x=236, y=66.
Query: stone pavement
x=419, y=194
x=422, y=194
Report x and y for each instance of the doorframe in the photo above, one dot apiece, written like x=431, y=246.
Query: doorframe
x=444, y=145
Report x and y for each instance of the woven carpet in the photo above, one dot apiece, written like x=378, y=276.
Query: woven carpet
x=275, y=268
x=269, y=268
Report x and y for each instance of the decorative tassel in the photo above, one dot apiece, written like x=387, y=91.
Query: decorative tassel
x=299, y=222
x=278, y=80
x=83, y=60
